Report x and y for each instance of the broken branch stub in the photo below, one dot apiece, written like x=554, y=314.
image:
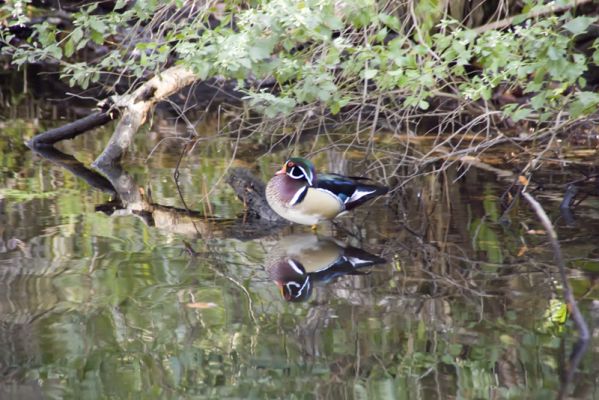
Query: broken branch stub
x=136, y=106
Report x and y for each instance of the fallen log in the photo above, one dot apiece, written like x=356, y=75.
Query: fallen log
x=251, y=191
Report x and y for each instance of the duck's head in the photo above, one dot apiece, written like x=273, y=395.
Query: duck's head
x=299, y=169
x=291, y=278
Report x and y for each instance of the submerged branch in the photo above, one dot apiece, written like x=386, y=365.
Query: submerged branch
x=583, y=329
x=131, y=199
x=259, y=221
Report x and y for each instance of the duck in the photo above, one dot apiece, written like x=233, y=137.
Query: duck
x=298, y=262
x=300, y=195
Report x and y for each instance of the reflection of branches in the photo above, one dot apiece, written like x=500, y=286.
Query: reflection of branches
x=130, y=199
x=186, y=221
x=216, y=262
x=75, y=167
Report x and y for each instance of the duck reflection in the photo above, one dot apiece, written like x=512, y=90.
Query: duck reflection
x=298, y=262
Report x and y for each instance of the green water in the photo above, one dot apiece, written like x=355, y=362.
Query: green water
x=94, y=305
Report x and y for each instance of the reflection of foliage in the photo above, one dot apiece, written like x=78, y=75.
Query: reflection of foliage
x=23, y=195
x=108, y=303
x=12, y=148
x=483, y=230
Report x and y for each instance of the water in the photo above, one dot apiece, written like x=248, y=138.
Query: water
x=96, y=302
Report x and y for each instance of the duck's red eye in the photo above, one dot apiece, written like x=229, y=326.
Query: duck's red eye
x=290, y=164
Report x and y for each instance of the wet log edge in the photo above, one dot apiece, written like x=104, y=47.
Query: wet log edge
x=581, y=345
x=252, y=192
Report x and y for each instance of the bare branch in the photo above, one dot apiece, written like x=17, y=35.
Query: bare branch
x=136, y=107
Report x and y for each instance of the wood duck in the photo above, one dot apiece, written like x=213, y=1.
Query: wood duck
x=298, y=262
x=297, y=194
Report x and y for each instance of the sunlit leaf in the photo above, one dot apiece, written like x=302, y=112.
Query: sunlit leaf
x=579, y=24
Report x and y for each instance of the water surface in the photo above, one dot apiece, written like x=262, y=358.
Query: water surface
x=97, y=303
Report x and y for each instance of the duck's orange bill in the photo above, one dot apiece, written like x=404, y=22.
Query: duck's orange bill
x=281, y=290
x=282, y=170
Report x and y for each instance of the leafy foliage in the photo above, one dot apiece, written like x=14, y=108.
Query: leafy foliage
x=329, y=53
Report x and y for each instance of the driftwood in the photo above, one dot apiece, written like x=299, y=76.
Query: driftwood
x=133, y=108
x=250, y=190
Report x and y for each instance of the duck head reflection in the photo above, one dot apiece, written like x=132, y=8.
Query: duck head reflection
x=298, y=262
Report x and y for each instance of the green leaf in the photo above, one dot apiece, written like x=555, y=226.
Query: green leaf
x=69, y=48
x=596, y=52
x=97, y=37
x=54, y=51
x=579, y=25
x=554, y=53
x=557, y=313
x=391, y=21
x=576, y=109
x=382, y=34
x=370, y=73
x=588, y=98
x=120, y=4
x=520, y=18
x=334, y=22
x=454, y=349
x=77, y=35
x=261, y=49
x=586, y=102
x=202, y=69
x=538, y=101
x=520, y=114
x=97, y=25
x=338, y=104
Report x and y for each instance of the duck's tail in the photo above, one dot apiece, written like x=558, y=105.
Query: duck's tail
x=363, y=193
